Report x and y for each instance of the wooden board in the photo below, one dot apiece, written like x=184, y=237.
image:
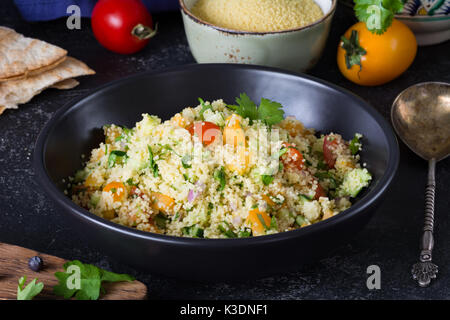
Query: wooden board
x=14, y=264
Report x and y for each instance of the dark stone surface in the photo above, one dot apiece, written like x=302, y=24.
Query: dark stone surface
x=28, y=218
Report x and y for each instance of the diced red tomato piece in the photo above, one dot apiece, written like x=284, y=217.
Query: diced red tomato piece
x=206, y=131
x=329, y=144
x=292, y=158
x=319, y=192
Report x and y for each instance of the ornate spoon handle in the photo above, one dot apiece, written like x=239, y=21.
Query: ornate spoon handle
x=425, y=270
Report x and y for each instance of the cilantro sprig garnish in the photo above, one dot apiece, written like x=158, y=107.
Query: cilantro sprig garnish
x=269, y=112
x=91, y=279
x=377, y=14
x=29, y=291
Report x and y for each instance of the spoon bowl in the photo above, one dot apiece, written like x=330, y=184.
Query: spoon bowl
x=421, y=117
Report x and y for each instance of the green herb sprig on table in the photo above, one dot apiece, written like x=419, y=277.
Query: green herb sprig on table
x=377, y=14
x=29, y=291
x=91, y=279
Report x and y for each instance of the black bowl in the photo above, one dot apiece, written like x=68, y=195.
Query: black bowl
x=75, y=129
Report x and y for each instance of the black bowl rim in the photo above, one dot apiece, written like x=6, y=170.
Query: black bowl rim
x=367, y=200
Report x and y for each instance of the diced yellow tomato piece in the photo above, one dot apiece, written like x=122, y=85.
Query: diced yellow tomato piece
x=112, y=133
x=269, y=201
x=255, y=219
x=240, y=161
x=295, y=128
x=233, y=121
x=327, y=214
x=92, y=182
x=344, y=163
x=109, y=214
x=233, y=134
x=162, y=203
x=178, y=120
x=118, y=190
x=98, y=155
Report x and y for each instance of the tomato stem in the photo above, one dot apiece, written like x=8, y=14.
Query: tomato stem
x=144, y=32
x=353, y=51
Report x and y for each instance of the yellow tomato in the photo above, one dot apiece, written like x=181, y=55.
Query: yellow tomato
x=386, y=56
x=118, y=190
x=259, y=221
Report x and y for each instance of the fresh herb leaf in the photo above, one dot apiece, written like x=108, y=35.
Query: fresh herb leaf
x=245, y=233
x=281, y=152
x=210, y=208
x=116, y=157
x=224, y=227
x=266, y=179
x=300, y=220
x=29, y=291
x=186, y=161
x=161, y=220
x=246, y=108
x=327, y=175
x=355, y=145
x=219, y=175
x=270, y=112
x=261, y=219
x=204, y=107
x=377, y=14
x=91, y=278
x=130, y=182
x=321, y=165
x=273, y=224
x=193, y=231
x=151, y=162
x=305, y=197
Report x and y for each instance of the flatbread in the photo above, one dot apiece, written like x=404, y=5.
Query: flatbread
x=21, y=56
x=65, y=84
x=13, y=93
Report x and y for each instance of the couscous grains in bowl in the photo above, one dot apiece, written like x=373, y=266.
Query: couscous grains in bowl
x=220, y=171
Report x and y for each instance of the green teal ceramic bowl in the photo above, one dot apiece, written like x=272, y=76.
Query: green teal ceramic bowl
x=296, y=49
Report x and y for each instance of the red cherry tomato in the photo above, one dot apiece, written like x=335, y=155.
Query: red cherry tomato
x=207, y=131
x=329, y=144
x=122, y=26
x=292, y=158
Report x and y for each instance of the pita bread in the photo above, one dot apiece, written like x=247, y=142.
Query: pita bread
x=13, y=93
x=21, y=56
x=65, y=84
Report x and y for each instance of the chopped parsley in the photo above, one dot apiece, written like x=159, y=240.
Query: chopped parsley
x=355, y=145
x=204, y=107
x=224, y=227
x=266, y=179
x=116, y=157
x=161, y=220
x=193, y=231
x=186, y=161
x=219, y=175
x=151, y=163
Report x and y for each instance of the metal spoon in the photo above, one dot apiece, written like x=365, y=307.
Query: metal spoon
x=421, y=117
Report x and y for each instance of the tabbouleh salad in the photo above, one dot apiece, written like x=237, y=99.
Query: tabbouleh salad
x=220, y=171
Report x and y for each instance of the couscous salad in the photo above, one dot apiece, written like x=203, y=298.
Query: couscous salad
x=220, y=171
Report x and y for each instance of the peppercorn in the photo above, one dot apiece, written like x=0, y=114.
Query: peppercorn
x=35, y=263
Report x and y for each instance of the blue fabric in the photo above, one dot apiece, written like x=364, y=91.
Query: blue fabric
x=41, y=10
